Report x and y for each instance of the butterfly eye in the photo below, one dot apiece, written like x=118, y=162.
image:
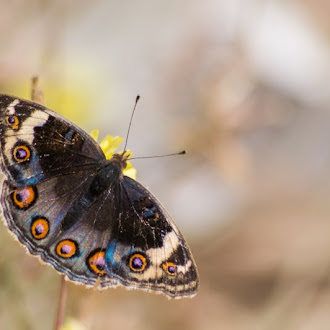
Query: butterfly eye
x=40, y=228
x=67, y=248
x=13, y=122
x=24, y=197
x=137, y=262
x=96, y=262
x=170, y=268
x=21, y=153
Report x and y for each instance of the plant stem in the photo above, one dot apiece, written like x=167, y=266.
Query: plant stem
x=61, y=304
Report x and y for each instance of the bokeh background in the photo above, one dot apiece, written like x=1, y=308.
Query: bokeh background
x=244, y=87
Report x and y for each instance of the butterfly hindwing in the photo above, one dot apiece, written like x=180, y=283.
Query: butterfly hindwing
x=77, y=211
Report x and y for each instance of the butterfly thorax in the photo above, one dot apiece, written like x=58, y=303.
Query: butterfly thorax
x=120, y=159
x=106, y=176
x=109, y=174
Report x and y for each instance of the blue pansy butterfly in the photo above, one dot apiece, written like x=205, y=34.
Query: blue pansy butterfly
x=78, y=212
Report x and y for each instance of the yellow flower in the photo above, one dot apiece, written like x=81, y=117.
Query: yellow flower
x=109, y=145
x=72, y=324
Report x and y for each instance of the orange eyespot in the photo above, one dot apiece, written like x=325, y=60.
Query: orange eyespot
x=67, y=248
x=21, y=154
x=24, y=197
x=96, y=262
x=13, y=122
x=137, y=262
x=40, y=228
x=169, y=268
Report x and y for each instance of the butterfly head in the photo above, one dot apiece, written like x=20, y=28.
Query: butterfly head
x=121, y=159
x=109, y=145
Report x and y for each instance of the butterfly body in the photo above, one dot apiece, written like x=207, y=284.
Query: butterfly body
x=76, y=210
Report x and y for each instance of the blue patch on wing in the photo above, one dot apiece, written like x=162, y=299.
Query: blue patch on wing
x=116, y=254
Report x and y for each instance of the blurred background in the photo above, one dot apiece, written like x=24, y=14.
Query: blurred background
x=244, y=87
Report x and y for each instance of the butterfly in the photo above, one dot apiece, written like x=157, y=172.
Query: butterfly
x=77, y=211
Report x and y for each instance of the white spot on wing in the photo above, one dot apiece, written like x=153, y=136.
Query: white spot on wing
x=11, y=107
x=37, y=119
x=159, y=255
x=183, y=269
x=26, y=132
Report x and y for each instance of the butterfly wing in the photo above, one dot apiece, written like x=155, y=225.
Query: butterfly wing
x=146, y=250
x=40, y=217
x=36, y=143
x=48, y=164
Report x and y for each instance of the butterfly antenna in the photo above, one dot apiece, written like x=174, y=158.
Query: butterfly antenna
x=183, y=152
x=130, y=122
